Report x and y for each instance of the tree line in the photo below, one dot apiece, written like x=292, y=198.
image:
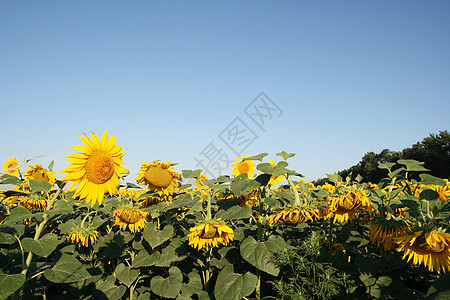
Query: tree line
x=433, y=151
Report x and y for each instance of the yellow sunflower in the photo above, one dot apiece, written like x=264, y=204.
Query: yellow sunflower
x=158, y=176
x=83, y=236
x=244, y=166
x=11, y=166
x=150, y=200
x=428, y=247
x=274, y=179
x=293, y=216
x=210, y=234
x=96, y=170
x=34, y=202
x=384, y=232
x=250, y=199
x=38, y=172
x=133, y=218
x=345, y=206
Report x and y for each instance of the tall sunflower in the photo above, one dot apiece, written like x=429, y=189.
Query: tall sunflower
x=428, y=247
x=11, y=166
x=384, y=232
x=38, y=172
x=244, y=166
x=158, y=176
x=131, y=217
x=96, y=170
x=210, y=233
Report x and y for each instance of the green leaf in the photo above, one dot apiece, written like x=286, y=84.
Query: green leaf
x=66, y=270
x=168, y=287
x=430, y=179
x=8, y=179
x=386, y=166
x=242, y=185
x=384, y=281
x=126, y=275
x=429, y=194
x=156, y=237
x=109, y=290
x=37, y=185
x=265, y=167
x=194, y=286
x=285, y=155
x=235, y=213
x=144, y=259
x=6, y=238
x=61, y=207
x=10, y=283
x=258, y=254
x=42, y=247
x=412, y=165
x=335, y=178
x=191, y=174
x=50, y=165
x=18, y=214
x=233, y=286
x=367, y=279
x=256, y=157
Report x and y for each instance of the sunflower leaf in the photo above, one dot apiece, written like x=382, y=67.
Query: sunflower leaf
x=285, y=155
x=168, y=287
x=235, y=213
x=432, y=180
x=37, y=185
x=156, y=237
x=233, y=286
x=107, y=289
x=126, y=275
x=8, y=179
x=259, y=255
x=191, y=174
x=9, y=283
x=42, y=247
x=242, y=184
x=66, y=270
x=256, y=157
x=428, y=194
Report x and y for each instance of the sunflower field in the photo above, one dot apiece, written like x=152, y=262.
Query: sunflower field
x=260, y=233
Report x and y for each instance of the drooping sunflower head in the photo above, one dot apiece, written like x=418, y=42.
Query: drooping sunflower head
x=383, y=232
x=345, y=206
x=11, y=166
x=244, y=166
x=85, y=236
x=295, y=215
x=34, y=202
x=158, y=176
x=210, y=233
x=146, y=201
x=250, y=198
x=38, y=172
x=428, y=247
x=133, y=218
x=96, y=169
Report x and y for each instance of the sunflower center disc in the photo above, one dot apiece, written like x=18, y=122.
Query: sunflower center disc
x=99, y=167
x=158, y=177
x=210, y=233
x=243, y=167
x=39, y=174
x=130, y=216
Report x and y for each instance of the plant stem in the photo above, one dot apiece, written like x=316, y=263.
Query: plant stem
x=330, y=237
x=294, y=189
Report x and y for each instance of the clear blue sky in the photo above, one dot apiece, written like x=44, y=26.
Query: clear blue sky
x=168, y=77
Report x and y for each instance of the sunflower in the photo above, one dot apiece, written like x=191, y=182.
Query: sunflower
x=158, y=176
x=293, y=216
x=34, y=202
x=244, y=166
x=150, y=200
x=38, y=172
x=96, y=170
x=274, y=179
x=250, y=198
x=134, y=218
x=210, y=234
x=428, y=247
x=384, y=232
x=443, y=191
x=83, y=236
x=11, y=166
x=345, y=206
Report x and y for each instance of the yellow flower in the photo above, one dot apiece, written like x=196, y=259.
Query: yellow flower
x=83, y=236
x=345, y=206
x=294, y=216
x=250, y=198
x=210, y=234
x=134, y=194
x=274, y=179
x=133, y=218
x=150, y=200
x=158, y=176
x=11, y=166
x=384, y=232
x=38, y=172
x=96, y=170
x=430, y=248
x=244, y=166
x=34, y=202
